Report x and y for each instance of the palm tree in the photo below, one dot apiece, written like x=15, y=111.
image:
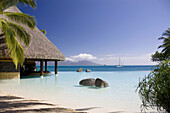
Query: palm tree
x=10, y=26
x=43, y=31
x=166, y=42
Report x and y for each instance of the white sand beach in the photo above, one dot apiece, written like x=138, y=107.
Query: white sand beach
x=16, y=104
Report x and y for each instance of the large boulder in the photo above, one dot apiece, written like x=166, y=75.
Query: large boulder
x=87, y=82
x=80, y=70
x=101, y=83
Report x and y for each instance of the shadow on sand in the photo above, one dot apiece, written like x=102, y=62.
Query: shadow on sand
x=90, y=87
x=13, y=104
x=7, y=98
x=86, y=109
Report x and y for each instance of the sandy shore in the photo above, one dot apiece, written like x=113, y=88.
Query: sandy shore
x=15, y=104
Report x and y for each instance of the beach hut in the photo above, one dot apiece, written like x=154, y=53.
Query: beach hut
x=40, y=49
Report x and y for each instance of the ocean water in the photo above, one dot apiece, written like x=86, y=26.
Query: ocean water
x=104, y=68
x=64, y=89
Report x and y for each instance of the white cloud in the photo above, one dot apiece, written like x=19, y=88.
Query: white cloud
x=81, y=56
x=113, y=59
x=69, y=59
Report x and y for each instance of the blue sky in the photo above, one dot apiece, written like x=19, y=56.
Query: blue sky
x=103, y=30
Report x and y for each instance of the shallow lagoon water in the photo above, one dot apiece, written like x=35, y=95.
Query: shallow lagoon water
x=64, y=90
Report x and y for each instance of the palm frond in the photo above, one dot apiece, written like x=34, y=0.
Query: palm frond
x=164, y=45
x=17, y=54
x=0, y=23
x=4, y=4
x=32, y=3
x=160, y=46
x=15, y=48
x=166, y=51
x=11, y=31
x=21, y=33
x=166, y=42
x=43, y=31
x=166, y=34
x=161, y=38
x=22, y=18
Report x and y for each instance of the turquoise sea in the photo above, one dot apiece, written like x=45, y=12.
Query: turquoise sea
x=104, y=68
x=64, y=89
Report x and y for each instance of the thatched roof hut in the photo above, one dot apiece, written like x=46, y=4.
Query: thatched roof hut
x=40, y=48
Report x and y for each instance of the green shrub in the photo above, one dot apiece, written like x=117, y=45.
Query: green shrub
x=154, y=89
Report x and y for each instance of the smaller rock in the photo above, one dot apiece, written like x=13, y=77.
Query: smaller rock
x=101, y=83
x=80, y=70
x=88, y=70
x=87, y=82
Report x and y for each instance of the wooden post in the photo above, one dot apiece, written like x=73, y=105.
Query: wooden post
x=41, y=68
x=55, y=66
x=45, y=65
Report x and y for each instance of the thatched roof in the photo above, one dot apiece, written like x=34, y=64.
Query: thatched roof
x=40, y=47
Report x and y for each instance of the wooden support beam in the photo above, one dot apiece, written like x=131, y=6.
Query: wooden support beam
x=45, y=65
x=41, y=68
x=56, y=67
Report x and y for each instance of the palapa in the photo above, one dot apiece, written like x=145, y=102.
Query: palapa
x=39, y=48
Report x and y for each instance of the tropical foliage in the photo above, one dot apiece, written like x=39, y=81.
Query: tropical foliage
x=13, y=31
x=165, y=45
x=154, y=89
x=165, y=53
x=43, y=31
x=158, y=57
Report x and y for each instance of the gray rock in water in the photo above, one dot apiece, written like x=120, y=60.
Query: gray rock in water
x=80, y=70
x=87, y=82
x=101, y=83
x=88, y=70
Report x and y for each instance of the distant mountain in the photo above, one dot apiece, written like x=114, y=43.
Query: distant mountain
x=69, y=63
x=82, y=62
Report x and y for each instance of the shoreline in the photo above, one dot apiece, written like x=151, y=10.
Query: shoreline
x=67, y=94
x=16, y=104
